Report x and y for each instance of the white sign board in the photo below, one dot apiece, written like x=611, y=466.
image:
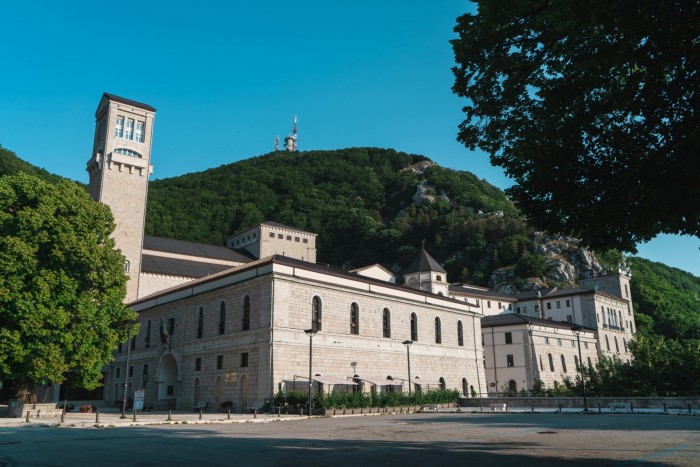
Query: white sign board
x=139, y=396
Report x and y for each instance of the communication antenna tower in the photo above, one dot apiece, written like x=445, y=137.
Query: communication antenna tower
x=295, y=134
x=277, y=143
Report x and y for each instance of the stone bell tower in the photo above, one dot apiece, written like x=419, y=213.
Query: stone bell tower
x=119, y=169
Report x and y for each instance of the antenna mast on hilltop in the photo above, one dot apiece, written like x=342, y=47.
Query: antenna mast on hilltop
x=277, y=143
x=295, y=133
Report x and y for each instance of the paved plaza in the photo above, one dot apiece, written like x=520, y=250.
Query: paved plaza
x=399, y=439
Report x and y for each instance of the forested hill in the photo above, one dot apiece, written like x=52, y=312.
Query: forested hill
x=11, y=164
x=361, y=201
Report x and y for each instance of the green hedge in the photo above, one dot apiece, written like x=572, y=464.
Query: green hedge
x=350, y=400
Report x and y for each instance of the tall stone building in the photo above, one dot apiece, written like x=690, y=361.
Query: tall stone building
x=119, y=169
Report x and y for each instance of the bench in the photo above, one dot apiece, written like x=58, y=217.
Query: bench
x=201, y=406
x=620, y=405
x=498, y=407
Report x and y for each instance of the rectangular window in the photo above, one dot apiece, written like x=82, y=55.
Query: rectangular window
x=568, y=303
x=573, y=343
x=133, y=343
x=559, y=342
x=272, y=235
x=197, y=364
x=244, y=360
x=558, y=304
x=139, y=132
x=585, y=345
x=525, y=309
x=509, y=358
x=129, y=133
x=289, y=237
x=499, y=305
x=119, y=128
x=119, y=348
x=546, y=340
x=488, y=303
x=219, y=362
x=549, y=305
x=280, y=236
x=145, y=374
x=306, y=240
x=517, y=310
x=296, y=239
x=510, y=306
x=509, y=338
x=569, y=319
x=119, y=373
x=171, y=326
x=131, y=371
x=170, y=390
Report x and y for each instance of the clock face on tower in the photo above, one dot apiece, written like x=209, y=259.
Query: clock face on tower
x=412, y=282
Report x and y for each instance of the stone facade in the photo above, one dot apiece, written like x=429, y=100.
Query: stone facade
x=519, y=351
x=268, y=351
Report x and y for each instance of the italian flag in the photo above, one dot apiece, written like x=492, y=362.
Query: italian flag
x=163, y=332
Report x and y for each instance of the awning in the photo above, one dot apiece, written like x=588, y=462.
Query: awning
x=330, y=380
x=382, y=382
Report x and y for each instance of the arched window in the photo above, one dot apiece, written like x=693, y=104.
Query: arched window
x=626, y=292
x=624, y=343
x=414, y=327
x=222, y=318
x=576, y=362
x=465, y=387
x=602, y=313
x=590, y=363
x=127, y=265
x=443, y=385
x=563, y=364
x=607, y=343
x=386, y=323
x=541, y=366
x=551, y=362
x=617, y=347
x=200, y=323
x=460, y=334
x=512, y=386
x=246, y=313
x=147, y=339
x=354, y=319
x=438, y=331
x=316, y=313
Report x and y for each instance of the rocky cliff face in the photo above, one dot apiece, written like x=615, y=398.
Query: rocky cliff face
x=567, y=261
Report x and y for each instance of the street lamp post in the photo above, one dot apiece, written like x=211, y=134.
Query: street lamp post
x=577, y=331
x=311, y=333
x=126, y=372
x=408, y=357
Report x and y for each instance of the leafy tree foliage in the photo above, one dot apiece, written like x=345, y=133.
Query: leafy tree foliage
x=593, y=109
x=62, y=283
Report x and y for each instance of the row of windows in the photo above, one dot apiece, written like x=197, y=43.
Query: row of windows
x=617, y=346
x=220, y=362
x=559, y=341
x=550, y=358
x=316, y=322
x=127, y=132
x=245, y=325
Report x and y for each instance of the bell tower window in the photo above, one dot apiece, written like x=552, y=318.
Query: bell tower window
x=119, y=129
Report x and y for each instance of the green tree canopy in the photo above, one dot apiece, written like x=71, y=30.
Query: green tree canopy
x=62, y=283
x=593, y=109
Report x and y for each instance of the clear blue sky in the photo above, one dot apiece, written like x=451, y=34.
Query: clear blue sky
x=227, y=77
